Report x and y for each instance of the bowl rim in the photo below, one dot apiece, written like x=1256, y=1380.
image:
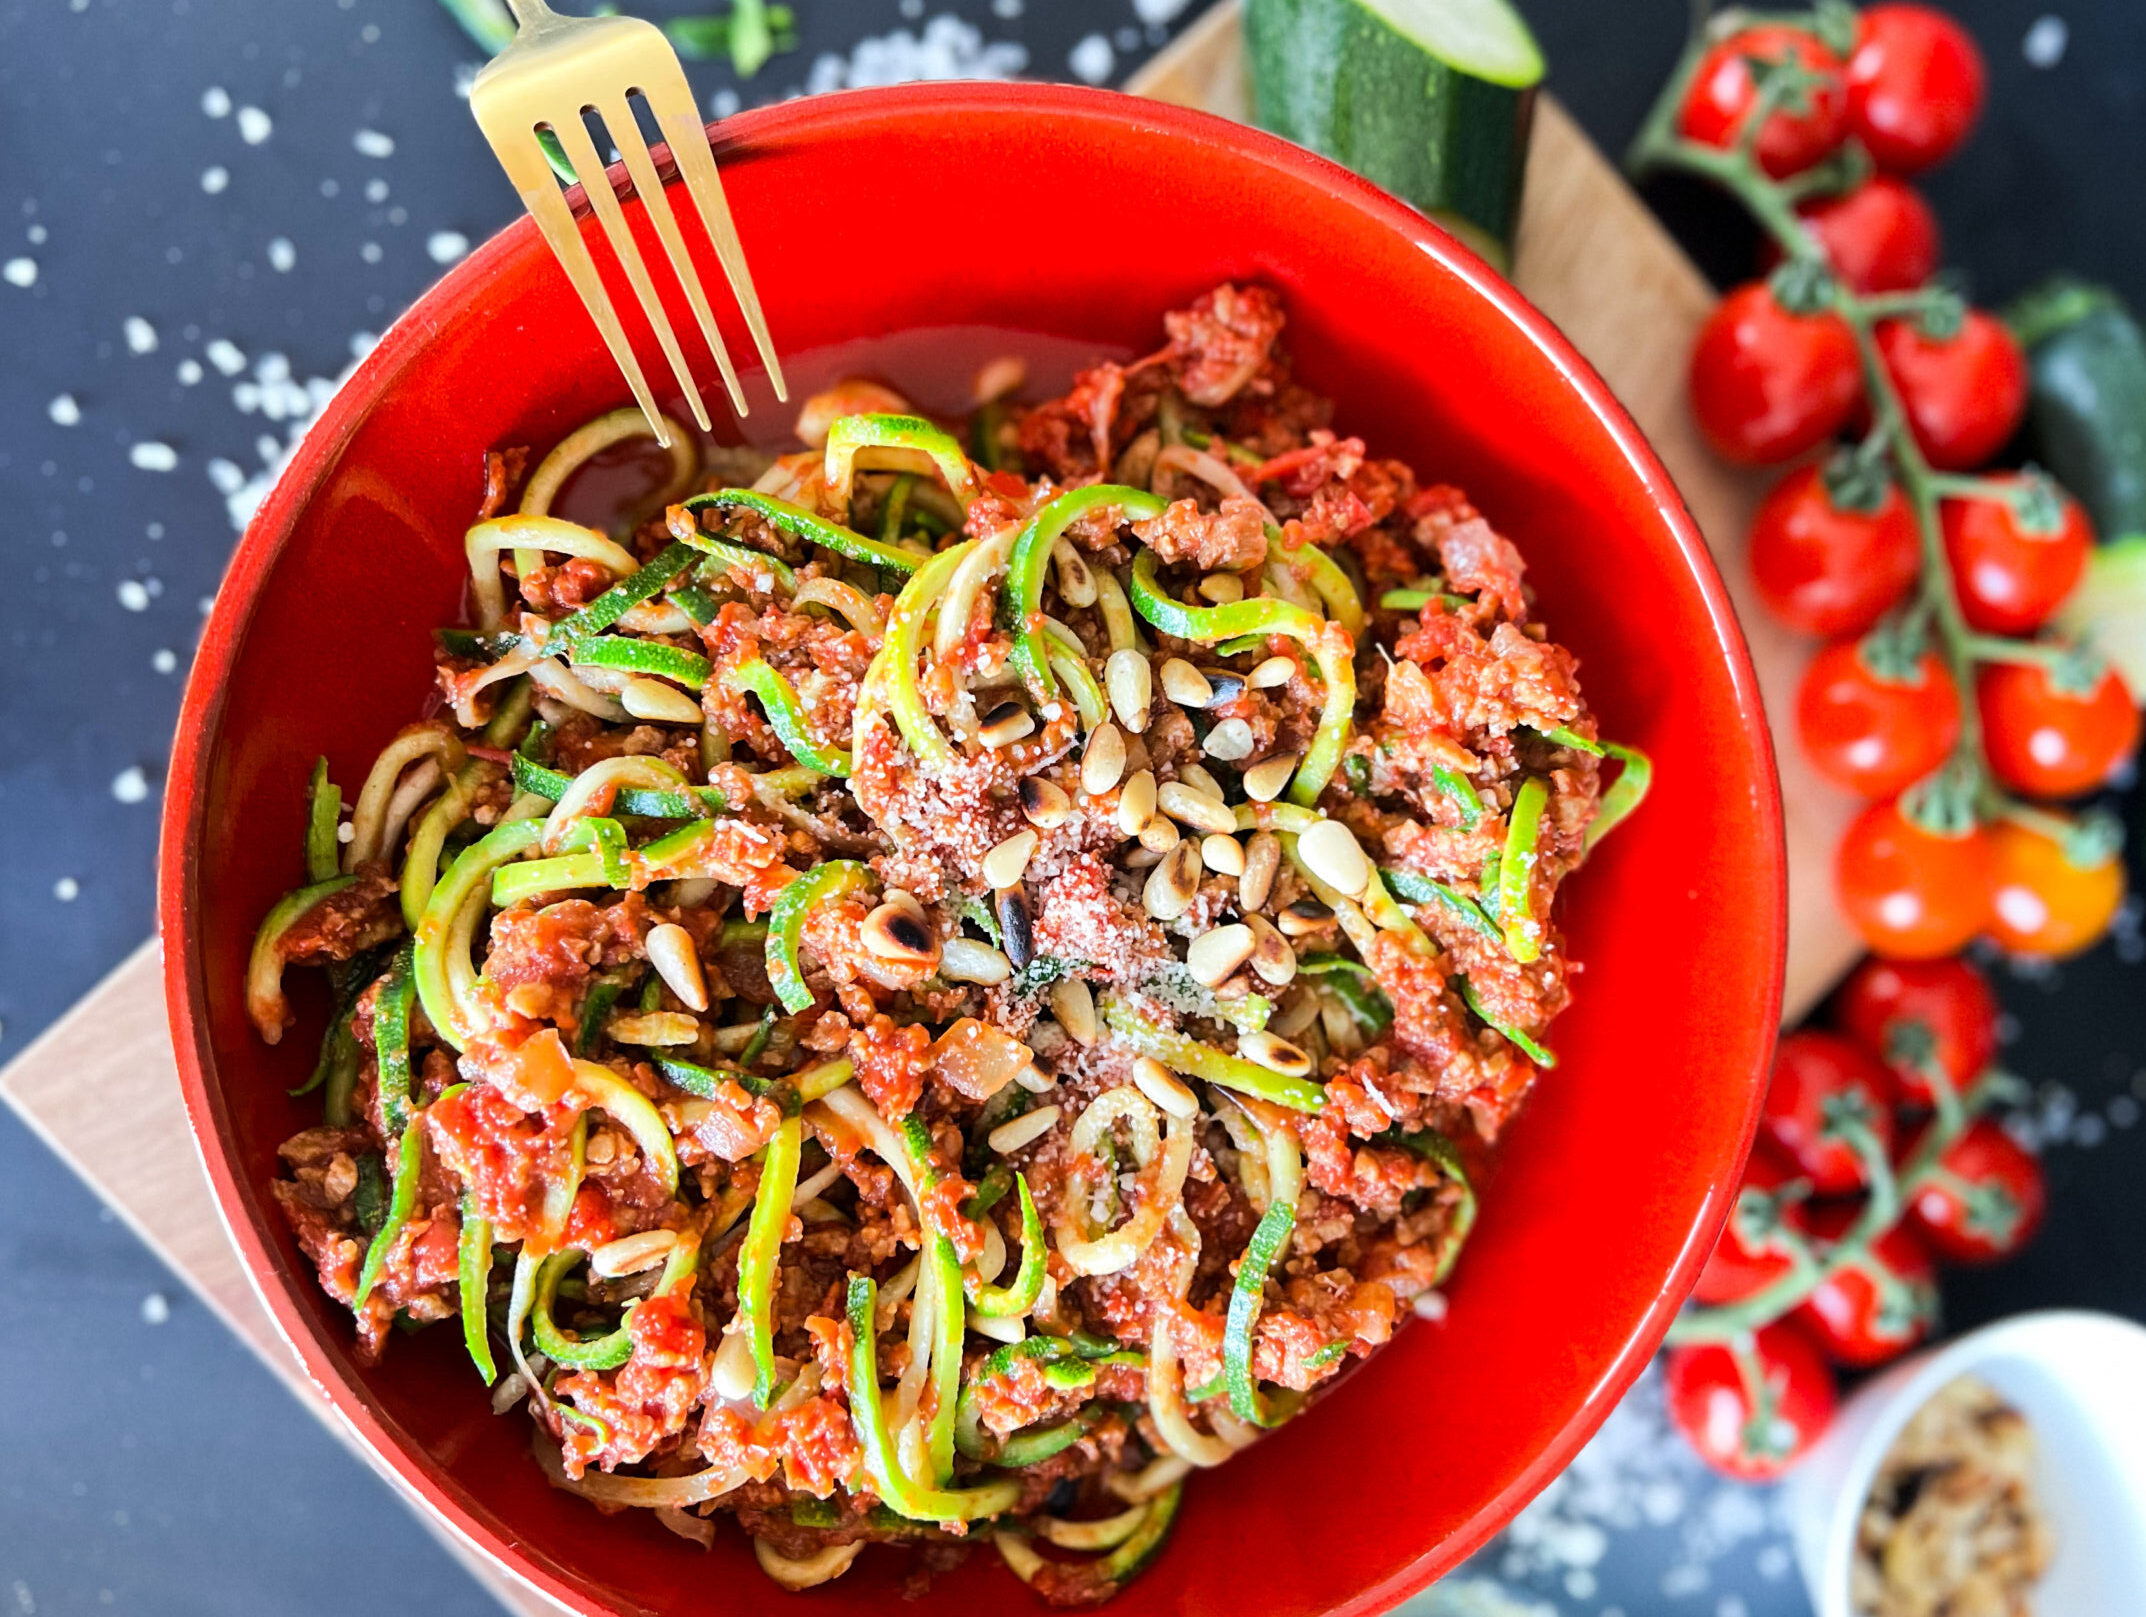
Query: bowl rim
x=319, y=451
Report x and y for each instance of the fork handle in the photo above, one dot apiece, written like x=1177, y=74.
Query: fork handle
x=532, y=13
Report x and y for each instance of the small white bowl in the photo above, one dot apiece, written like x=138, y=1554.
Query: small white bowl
x=2080, y=1380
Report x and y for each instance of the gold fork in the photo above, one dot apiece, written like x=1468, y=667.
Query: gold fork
x=559, y=68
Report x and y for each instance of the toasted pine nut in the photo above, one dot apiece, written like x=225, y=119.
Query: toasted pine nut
x=1160, y=835
x=1262, y=858
x=1265, y=780
x=1185, y=685
x=677, y=962
x=1222, y=588
x=1272, y=958
x=1102, y=765
x=1005, y=724
x=1016, y=1132
x=657, y=702
x=1196, y=776
x=1131, y=684
x=1164, y=1087
x=1005, y=864
x=1331, y=852
x=1195, y=808
x=1214, y=955
x=1274, y=671
x=630, y=1254
x=1222, y=855
x=1043, y=804
x=1076, y=585
x=894, y=932
x=1172, y=884
x=964, y=960
x=1230, y=740
x=1136, y=803
x=733, y=1374
x=1276, y=1055
x=1073, y=1003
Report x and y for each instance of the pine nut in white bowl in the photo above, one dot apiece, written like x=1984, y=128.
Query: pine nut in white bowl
x=2080, y=1380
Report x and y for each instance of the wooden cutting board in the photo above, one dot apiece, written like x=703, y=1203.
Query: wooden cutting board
x=100, y=1086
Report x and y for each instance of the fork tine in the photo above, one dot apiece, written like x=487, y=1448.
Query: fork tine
x=618, y=115
x=531, y=175
x=687, y=137
x=581, y=156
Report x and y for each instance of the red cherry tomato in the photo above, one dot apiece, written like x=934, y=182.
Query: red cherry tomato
x=1766, y=384
x=2010, y=577
x=1913, y=893
x=1876, y=1306
x=1826, y=570
x=1987, y=1201
x=2041, y=903
x=1915, y=82
x=1880, y=237
x=1747, y=1257
x=1910, y=1011
x=1821, y=1080
x=2046, y=741
x=1964, y=394
x=1870, y=733
x=1808, y=126
x=1752, y=1419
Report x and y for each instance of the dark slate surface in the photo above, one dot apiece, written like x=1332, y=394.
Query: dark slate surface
x=146, y=1463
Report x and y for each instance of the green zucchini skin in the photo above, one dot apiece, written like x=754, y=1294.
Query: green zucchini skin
x=1332, y=76
x=2086, y=408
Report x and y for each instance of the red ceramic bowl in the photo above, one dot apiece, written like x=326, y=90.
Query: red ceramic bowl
x=1082, y=216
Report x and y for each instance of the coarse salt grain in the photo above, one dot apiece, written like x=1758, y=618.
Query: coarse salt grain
x=133, y=595
x=140, y=335
x=19, y=272
x=151, y=456
x=164, y=660
x=66, y=889
x=64, y=411
x=130, y=785
x=254, y=125
x=216, y=101
x=225, y=355
x=446, y=246
x=282, y=256
x=372, y=143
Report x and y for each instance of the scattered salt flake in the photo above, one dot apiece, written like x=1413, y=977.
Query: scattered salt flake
x=64, y=411
x=1092, y=59
x=1157, y=12
x=376, y=190
x=67, y=889
x=370, y=252
x=1010, y=9
x=948, y=48
x=226, y=475
x=2045, y=41
x=164, y=660
x=189, y=372
x=225, y=356
x=130, y=785
x=19, y=272
x=282, y=256
x=216, y=101
x=372, y=143
x=156, y=1308
x=141, y=335
x=254, y=125
x=151, y=456
x=134, y=595
x=36, y=235
x=346, y=832
x=446, y=246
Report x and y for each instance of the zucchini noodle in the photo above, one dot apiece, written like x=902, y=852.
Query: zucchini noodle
x=368, y=820
x=1163, y=1160
x=527, y=535
x=589, y=439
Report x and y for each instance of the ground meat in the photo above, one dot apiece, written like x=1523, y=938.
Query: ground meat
x=346, y=922
x=647, y=1400
x=1229, y=539
x=1220, y=343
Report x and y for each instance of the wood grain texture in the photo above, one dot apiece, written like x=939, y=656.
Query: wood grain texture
x=1592, y=257
x=100, y=1086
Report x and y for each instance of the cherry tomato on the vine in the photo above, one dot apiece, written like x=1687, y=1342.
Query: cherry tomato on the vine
x=1964, y=394
x=1869, y=731
x=2041, y=901
x=1877, y=1305
x=1915, y=83
x=1822, y=1085
x=2011, y=574
x=1880, y=237
x=1753, y=1418
x=1912, y=892
x=1748, y=1255
x=1808, y=124
x=1911, y=1011
x=1767, y=384
x=2047, y=740
x=1829, y=570
x=1985, y=1202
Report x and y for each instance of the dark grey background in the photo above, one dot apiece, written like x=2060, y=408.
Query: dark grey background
x=148, y=1464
